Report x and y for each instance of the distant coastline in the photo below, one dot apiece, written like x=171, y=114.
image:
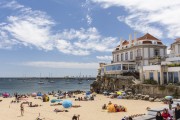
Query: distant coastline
x=48, y=78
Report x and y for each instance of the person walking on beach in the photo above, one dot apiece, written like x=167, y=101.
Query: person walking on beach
x=22, y=109
x=170, y=103
x=177, y=112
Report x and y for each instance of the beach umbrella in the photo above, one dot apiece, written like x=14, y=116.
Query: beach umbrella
x=88, y=93
x=119, y=92
x=168, y=97
x=39, y=94
x=53, y=100
x=6, y=94
x=34, y=94
x=67, y=103
x=119, y=97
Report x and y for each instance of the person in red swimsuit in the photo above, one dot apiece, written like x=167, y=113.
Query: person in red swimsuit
x=165, y=114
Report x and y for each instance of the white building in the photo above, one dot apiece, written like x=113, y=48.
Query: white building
x=169, y=70
x=132, y=54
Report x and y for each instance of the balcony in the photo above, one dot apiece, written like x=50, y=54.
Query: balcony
x=139, y=58
x=155, y=60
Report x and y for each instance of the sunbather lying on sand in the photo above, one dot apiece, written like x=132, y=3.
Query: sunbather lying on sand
x=76, y=106
x=35, y=105
x=58, y=110
x=56, y=104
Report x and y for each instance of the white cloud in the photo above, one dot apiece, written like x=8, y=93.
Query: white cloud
x=89, y=19
x=28, y=27
x=33, y=28
x=159, y=17
x=11, y=5
x=104, y=58
x=62, y=65
x=83, y=42
x=87, y=8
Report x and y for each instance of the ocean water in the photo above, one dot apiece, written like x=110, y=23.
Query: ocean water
x=31, y=85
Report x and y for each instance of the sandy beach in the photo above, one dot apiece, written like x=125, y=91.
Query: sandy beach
x=89, y=110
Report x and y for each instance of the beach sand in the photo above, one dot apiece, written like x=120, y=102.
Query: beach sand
x=90, y=110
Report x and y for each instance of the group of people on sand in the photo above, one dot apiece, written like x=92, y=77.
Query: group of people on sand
x=169, y=114
x=118, y=108
x=18, y=96
x=84, y=99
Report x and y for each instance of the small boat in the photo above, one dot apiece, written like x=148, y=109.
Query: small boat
x=40, y=82
x=51, y=81
x=80, y=82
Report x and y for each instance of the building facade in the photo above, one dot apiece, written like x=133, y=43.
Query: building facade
x=133, y=54
x=169, y=70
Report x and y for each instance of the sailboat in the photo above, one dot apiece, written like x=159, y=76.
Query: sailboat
x=40, y=82
x=50, y=81
x=80, y=80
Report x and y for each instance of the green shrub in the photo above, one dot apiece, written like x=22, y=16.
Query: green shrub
x=152, y=82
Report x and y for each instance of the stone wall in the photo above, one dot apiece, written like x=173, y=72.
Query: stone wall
x=112, y=84
x=156, y=90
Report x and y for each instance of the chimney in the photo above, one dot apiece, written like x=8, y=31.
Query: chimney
x=135, y=38
x=130, y=39
x=121, y=42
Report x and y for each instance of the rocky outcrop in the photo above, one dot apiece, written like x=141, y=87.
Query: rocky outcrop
x=113, y=84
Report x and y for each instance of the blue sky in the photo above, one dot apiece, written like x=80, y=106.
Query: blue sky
x=66, y=37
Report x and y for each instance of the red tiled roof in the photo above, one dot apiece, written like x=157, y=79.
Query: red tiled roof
x=148, y=36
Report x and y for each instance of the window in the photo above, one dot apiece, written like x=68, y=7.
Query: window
x=117, y=58
x=179, y=49
x=119, y=67
x=156, y=52
x=165, y=77
x=139, y=52
x=126, y=56
x=151, y=76
x=159, y=78
x=170, y=77
x=176, y=78
x=131, y=55
x=122, y=57
x=113, y=67
x=125, y=66
x=131, y=67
